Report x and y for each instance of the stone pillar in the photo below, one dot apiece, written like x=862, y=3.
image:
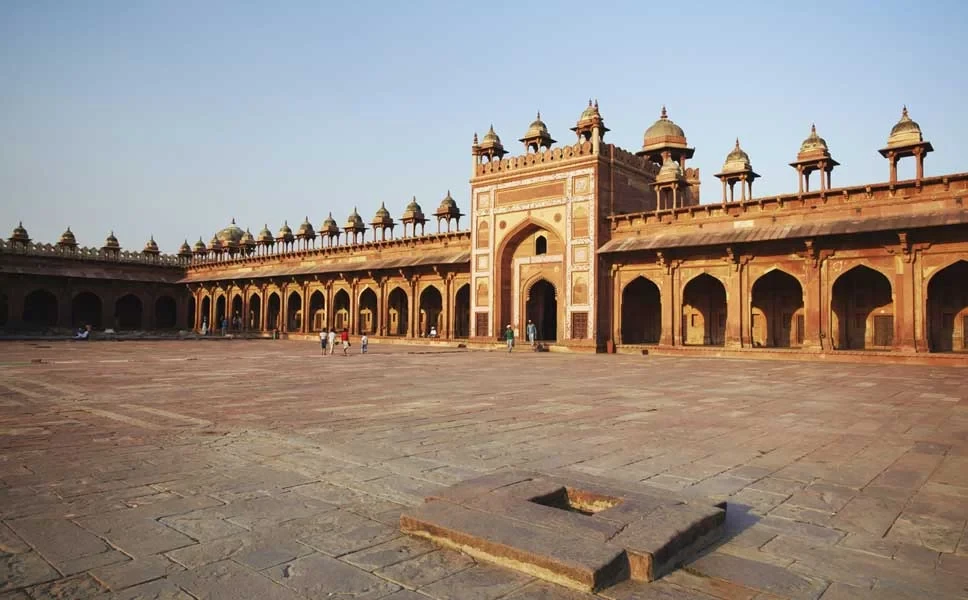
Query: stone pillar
x=148, y=310
x=64, y=297
x=413, y=317
x=671, y=307
x=735, y=305
x=354, y=308
x=15, y=298
x=306, y=317
x=904, y=305
x=381, y=307
x=812, y=302
x=329, y=305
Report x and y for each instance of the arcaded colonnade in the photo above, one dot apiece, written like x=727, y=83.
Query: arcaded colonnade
x=394, y=305
x=822, y=300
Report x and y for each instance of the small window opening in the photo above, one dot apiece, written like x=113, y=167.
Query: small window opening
x=541, y=245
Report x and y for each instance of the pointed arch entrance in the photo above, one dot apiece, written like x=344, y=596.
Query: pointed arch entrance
x=431, y=307
x=86, y=309
x=777, y=311
x=127, y=312
x=206, y=319
x=367, y=314
x=704, y=312
x=236, y=319
x=4, y=310
x=40, y=309
x=541, y=308
x=641, y=312
x=166, y=313
x=341, y=310
x=948, y=309
x=294, y=312
x=273, y=308
x=220, y=311
x=462, y=311
x=398, y=313
x=254, y=321
x=190, y=314
x=317, y=311
x=529, y=253
x=863, y=310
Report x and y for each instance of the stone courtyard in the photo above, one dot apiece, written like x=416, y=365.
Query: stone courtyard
x=260, y=470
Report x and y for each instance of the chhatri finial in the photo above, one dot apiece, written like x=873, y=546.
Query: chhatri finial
x=664, y=115
x=233, y=220
x=904, y=113
x=539, y=115
x=475, y=138
x=813, y=129
x=596, y=103
x=737, y=143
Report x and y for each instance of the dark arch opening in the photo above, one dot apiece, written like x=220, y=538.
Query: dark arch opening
x=127, y=312
x=236, y=321
x=166, y=313
x=948, y=308
x=540, y=245
x=220, y=312
x=542, y=310
x=294, y=312
x=777, y=316
x=863, y=307
x=462, y=312
x=4, y=310
x=398, y=312
x=254, y=318
x=641, y=312
x=190, y=316
x=367, y=313
x=272, y=311
x=704, y=312
x=206, y=313
x=341, y=310
x=431, y=307
x=317, y=311
x=87, y=309
x=40, y=309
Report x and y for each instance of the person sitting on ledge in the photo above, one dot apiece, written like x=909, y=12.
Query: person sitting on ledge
x=83, y=334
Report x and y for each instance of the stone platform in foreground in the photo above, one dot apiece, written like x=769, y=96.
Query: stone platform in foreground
x=260, y=470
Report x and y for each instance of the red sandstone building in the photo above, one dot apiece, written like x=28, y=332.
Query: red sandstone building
x=601, y=247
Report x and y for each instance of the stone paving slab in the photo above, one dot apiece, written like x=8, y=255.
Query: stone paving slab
x=198, y=468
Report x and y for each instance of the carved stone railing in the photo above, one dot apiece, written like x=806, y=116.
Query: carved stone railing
x=92, y=254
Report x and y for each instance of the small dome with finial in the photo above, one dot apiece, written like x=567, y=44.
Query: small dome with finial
x=413, y=210
x=329, y=226
x=185, y=249
x=813, y=143
x=737, y=160
x=215, y=245
x=664, y=130
x=111, y=242
x=905, y=131
x=306, y=230
x=200, y=246
x=265, y=236
x=20, y=234
x=382, y=217
x=448, y=207
x=231, y=233
x=285, y=233
x=590, y=112
x=67, y=239
x=670, y=171
x=491, y=137
x=354, y=220
x=248, y=240
x=537, y=128
x=151, y=246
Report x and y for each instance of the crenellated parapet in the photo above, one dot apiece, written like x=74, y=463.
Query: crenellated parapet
x=534, y=159
x=91, y=254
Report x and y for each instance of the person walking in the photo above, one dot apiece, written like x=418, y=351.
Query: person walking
x=509, y=337
x=364, y=343
x=532, y=333
x=331, y=341
x=322, y=340
x=344, y=337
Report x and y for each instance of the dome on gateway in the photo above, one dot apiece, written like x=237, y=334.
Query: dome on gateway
x=67, y=238
x=905, y=131
x=663, y=128
x=813, y=142
x=232, y=233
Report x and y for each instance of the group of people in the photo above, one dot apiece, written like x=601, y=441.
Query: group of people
x=531, y=331
x=327, y=341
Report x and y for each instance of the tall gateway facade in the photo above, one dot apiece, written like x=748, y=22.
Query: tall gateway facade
x=601, y=248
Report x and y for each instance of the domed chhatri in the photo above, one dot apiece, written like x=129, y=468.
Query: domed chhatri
x=151, y=246
x=265, y=236
x=19, y=235
x=490, y=146
x=111, y=243
x=185, y=250
x=669, y=172
x=447, y=212
x=215, y=245
x=737, y=168
x=814, y=155
x=413, y=215
x=285, y=235
x=382, y=221
x=67, y=239
x=200, y=247
x=306, y=230
x=590, y=119
x=231, y=233
x=905, y=140
x=665, y=138
x=248, y=242
x=537, y=136
x=354, y=227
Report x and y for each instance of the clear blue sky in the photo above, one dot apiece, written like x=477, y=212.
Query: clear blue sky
x=170, y=118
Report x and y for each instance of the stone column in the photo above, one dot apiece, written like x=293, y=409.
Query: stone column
x=904, y=304
x=64, y=297
x=413, y=317
x=306, y=317
x=735, y=305
x=354, y=307
x=812, y=301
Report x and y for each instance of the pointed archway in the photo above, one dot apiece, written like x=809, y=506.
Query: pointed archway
x=462, y=312
x=641, y=312
x=166, y=313
x=190, y=315
x=367, y=313
x=206, y=320
x=220, y=311
x=87, y=309
x=541, y=308
x=4, y=310
x=254, y=322
x=533, y=248
x=341, y=310
x=236, y=320
x=294, y=312
x=948, y=309
x=128, y=312
x=704, y=312
x=398, y=313
x=317, y=311
x=40, y=309
x=863, y=310
x=273, y=308
x=777, y=311
x=431, y=307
